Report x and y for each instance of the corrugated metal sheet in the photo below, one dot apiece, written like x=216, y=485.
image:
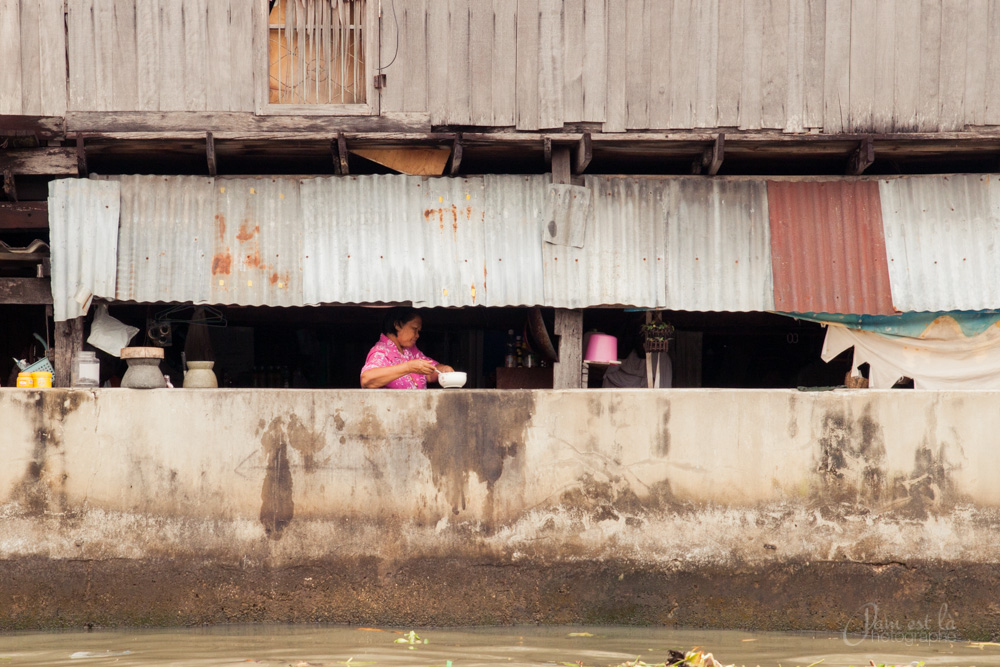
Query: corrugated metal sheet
x=827, y=248
x=679, y=243
x=718, y=246
x=622, y=261
x=210, y=240
x=83, y=237
x=394, y=238
x=942, y=234
x=675, y=243
x=516, y=207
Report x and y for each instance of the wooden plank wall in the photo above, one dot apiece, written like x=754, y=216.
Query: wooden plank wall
x=33, y=57
x=790, y=65
x=159, y=55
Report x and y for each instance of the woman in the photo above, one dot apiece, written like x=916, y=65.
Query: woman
x=395, y=362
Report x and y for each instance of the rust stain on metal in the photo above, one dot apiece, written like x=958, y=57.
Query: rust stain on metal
x=222, y=263
x=828, y=247
x=253, y=260
x=430, y=213
x=246, y=233
x=220, y=224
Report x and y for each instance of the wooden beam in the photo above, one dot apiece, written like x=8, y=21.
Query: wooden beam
x=344, y=168
x=42, y=161
x=81, y=158
x=69, y=341
x=9, y=187
x=43, y=127
x=547, y=151
x=221, y=124
x=456, y=156
x=25, y=291
x=862, y=157
x=210, y=154
x=561, y=172
x=25, y=215
x=584, y=153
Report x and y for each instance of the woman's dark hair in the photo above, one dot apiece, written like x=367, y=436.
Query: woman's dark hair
x=397, y=316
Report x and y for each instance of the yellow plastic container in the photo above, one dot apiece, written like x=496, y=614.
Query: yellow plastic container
x=43, y=379
x=25, y=381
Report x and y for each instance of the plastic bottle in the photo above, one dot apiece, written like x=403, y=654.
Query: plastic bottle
x=519, y=347
x=510, y=360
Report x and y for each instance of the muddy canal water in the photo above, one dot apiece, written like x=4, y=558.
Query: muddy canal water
x=469, y=647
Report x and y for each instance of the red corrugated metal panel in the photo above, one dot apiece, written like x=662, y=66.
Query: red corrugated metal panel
x=828, y=248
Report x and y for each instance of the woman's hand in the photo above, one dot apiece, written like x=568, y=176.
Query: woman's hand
x=420, y=366
x=444, y=368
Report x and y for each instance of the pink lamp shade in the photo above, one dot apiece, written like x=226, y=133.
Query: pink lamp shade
x=601, y=348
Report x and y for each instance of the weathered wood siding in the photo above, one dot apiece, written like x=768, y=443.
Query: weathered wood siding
x=791, y=65
x=32, y=58
x=160, y=55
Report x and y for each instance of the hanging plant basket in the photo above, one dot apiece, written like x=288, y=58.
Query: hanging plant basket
x=656, y=336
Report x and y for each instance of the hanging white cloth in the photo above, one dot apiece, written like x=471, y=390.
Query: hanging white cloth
x=942, y=357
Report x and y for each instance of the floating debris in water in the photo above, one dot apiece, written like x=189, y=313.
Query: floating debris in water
x=693, y=658
x=410, y=637
x=98, y=654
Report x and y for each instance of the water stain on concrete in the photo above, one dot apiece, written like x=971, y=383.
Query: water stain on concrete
x=277, y=507
x=852, y=454
x=663, y=444
x=305, y=441
x=42, y=487
x=475, y=436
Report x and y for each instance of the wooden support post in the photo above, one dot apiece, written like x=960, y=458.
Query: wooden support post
x=9, y=188
x=456, y=156
x=862, y=158
x=210, y=154
x=547, y=150
x=81, y=158
x=584, y=153
x=567, y=373
x=342, y=154
x=69, y=341
x=561, y=166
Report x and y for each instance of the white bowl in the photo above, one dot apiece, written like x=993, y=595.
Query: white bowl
x=451, y=380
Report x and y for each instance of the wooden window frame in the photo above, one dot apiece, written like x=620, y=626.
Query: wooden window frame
x=264, y=107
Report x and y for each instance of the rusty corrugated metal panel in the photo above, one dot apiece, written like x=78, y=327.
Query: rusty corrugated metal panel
x=210, y=240
x=942, y=236
x=83, y=241
x=675, y=243
x=827, y=247
x=373, y=239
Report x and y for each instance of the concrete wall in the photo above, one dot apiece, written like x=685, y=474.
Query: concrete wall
x=485, y=506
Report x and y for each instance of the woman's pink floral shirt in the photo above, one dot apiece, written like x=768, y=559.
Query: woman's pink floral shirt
x=385, y=353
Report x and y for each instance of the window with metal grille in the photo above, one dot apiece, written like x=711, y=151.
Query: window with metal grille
x=316, y=52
